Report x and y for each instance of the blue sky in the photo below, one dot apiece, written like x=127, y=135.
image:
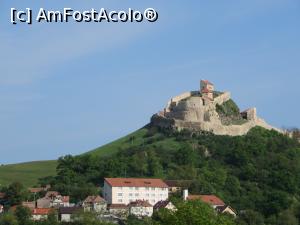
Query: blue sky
x=68, y=88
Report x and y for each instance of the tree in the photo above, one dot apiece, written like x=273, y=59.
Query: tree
x=251, y=217
x=192, y=213
x=15, y=194
x=8, y=219
x=23, y=214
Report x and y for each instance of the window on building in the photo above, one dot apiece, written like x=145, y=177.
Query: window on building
x=147, y=195
x=130, y=194
x=147, y=188
x=120, y=194
x=153, y=189
x=136, y=194
x=136, y=188
x=120, y=200
x=130, y=188
x=153, y=195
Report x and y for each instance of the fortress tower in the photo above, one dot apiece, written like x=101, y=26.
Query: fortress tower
x=207, y=89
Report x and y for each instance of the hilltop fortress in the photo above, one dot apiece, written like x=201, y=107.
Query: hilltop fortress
x=208, y=110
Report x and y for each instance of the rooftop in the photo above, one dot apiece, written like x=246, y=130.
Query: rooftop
x=178, y=183
x=210, y=199
x=135, y=182
x=207, y=82
x=94, y=199
x=161, y=204
x=41, y=211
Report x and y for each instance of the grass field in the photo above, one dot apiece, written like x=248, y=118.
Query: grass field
x=133, y=139
x=26, y=173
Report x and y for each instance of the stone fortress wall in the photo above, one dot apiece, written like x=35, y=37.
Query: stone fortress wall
x=193, y=112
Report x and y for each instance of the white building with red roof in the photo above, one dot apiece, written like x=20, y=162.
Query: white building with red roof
x=126, y=190
x=41, y=213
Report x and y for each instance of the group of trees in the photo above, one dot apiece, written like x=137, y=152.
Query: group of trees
x=257, y=174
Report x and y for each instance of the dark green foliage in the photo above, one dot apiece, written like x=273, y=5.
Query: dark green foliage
x=257, y=174
x=15, y=193
x=229, y=113
x=8, y=219
x=192, y=213
x=23, y=215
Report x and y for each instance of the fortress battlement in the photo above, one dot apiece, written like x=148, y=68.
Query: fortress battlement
x=198, y=110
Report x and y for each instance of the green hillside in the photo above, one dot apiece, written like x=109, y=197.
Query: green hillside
x=141, y=137
x=257, y=174
x=26, y=173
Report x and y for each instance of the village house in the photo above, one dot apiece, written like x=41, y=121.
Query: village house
x=126, y=190
x=211, y=200
x=41, y=214
x=35, y=190
x=65, y=213
x=53, y=199
x=94, y=203
x=164, y=205
x=226, y=209
x=140, y=209
x=60, y=201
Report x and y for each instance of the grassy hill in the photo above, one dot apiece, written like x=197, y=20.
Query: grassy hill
x=141, y=137
x=26, y=173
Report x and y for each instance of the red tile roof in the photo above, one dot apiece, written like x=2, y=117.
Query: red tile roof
x=210, y=199
x=207, y=82
x=41, y=211
x=36, y=190
x=135, y=182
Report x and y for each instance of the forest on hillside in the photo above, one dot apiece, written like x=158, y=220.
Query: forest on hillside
x=257, y=174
